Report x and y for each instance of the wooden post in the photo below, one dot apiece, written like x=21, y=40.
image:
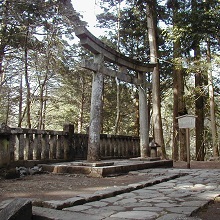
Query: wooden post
x=188, y=147
x=143, y=118
x=95, y=112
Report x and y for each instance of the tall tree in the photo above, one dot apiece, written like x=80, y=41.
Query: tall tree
x=3, y=36
x=215, y=140
x=27, y=82
x=179, y=108
x=157, y=121
x=199, y=81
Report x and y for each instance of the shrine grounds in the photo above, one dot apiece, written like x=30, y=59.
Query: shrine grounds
x=46, y=188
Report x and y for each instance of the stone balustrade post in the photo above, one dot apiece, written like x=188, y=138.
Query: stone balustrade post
x=4, y=150
x=69, y=152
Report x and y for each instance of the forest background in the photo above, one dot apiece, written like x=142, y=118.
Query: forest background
x=42, y=84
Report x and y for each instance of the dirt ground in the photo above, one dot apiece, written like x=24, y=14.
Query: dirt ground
x=62, y=186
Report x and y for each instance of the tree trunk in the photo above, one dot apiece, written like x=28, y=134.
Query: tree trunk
x=43, y=92
x=44, y=109
x=179, y=138
x=137, y=124
x=8, y=107
x=199, y=104
x=215, y=145
x=28, y=96
x=157, y=121
x=43, y=85
x=3, y=40
x=117, y=120
x=20, y=101
x=200, y=152
x=40, y=118
x=117, y=107
x=199, y=97
x=179, y=72
x=81, y=110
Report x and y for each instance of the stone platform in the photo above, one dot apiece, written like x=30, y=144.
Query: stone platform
x=106, y=167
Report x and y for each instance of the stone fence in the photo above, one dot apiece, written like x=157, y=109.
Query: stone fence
x=22, y=144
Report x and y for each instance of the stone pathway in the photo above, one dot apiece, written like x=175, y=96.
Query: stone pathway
x=176, y=194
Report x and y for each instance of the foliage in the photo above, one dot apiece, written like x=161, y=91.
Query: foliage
x=60, y=89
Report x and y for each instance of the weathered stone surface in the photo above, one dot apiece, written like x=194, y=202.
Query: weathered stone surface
x=98, y=164
x=114, y=208
x=129, y=195
x=98, y=204
x=90, y=197
x=188, y=218
x=103, y=171
x=194, y=203
x=126, y=201
x=166, y=205
x=172, y=216
x=123, y=189
x=4, y=150
x=179, y=194
x=105, y=193
x=208, y=195
x=5, y=203
x=112, y=199
x=153, y=202
x=16, y=210
x=182, y=210
x=99, y=212
x=58, y=204
x=44, y=213
x=136, y=185
x=148, y=208
x=77, y=208
x=135, y=215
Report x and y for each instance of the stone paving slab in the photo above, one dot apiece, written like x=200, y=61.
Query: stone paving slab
x=177, y=198
x=107, y=193
x=17, y=209
x=172, y=197
x=47, y=214
x=172, y=194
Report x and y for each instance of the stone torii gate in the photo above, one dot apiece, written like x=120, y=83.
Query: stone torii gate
x=103, y=53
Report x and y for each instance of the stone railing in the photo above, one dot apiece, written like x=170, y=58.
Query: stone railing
x=22, y=144
x=111, y=146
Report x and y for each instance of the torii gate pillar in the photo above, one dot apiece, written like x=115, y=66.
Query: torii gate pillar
x=95, y=112
x=143, y=117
